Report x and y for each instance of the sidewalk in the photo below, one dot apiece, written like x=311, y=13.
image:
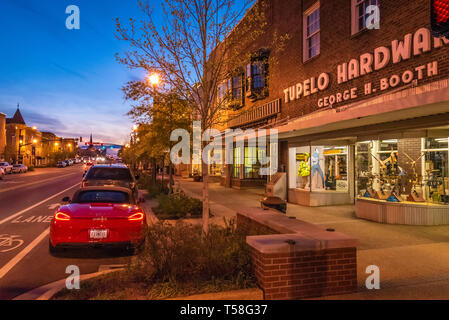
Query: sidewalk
x=413, y=260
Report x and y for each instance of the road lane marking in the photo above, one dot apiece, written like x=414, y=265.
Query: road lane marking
x=7, y=267
x=7, y=240
x=32, y=219
x=24, y=184
x=36, y=205
x=54, y=206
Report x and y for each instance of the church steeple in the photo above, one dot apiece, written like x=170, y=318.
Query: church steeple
x=17, y=118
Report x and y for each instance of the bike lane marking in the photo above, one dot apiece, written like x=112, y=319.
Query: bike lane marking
x=35, y=205
x=16, y=259
x=6, y=268
x=7, y=240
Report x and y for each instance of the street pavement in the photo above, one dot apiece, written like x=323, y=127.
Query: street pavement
x=413, y=260
x=27, y=203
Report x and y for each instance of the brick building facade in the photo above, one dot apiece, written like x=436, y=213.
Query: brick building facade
x=364, y=110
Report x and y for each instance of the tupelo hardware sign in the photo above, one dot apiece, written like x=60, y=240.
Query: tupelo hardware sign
x=401, y=50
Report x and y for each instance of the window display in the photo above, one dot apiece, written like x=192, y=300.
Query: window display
x=336, y=159
x=248, y=162
x=414, y=170
x=319, y=168
x=252, y=163
x=237, y=162
x=303, y=169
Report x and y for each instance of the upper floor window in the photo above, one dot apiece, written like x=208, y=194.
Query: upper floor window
x=257, y=75
x=311, y=29
x=360, y=14
x=223, y=89
x=237, y=87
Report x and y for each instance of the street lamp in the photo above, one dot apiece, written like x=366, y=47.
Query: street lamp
x=154, y=79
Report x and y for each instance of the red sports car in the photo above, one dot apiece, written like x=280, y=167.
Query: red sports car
x=98, y=217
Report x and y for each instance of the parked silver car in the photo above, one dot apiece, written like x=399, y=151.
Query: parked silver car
x=19, y=168
x=7, y=168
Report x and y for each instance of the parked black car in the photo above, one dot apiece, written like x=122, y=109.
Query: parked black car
x=111, y=175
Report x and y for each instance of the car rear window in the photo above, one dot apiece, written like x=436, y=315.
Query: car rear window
x=109, y=174
x=102, y=197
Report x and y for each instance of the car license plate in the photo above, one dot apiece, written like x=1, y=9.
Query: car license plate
x=98, y=234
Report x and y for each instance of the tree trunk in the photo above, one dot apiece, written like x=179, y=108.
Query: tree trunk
x=170, y=186
x=205, y=174
x=163, y=175
x=153, y=171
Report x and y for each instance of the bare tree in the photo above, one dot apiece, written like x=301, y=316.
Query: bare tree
x=197, y=44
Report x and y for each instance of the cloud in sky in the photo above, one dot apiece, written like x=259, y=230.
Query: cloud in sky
x=66, y=81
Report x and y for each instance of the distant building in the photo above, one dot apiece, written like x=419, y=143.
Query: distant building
x=15, y=137
x=27, y=145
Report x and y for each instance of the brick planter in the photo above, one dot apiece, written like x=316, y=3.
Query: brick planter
x=293, y=259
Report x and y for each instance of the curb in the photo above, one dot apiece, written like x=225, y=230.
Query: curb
x=151, y=217
x=46, y=292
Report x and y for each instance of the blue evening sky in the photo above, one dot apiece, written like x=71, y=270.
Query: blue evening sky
x=66, y=81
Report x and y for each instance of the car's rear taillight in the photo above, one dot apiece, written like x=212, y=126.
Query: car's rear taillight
x=85, y=184
x=61, y=216
x=136, y=217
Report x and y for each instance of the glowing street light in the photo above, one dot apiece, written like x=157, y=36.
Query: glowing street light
x=154, y=79
x=34, y=140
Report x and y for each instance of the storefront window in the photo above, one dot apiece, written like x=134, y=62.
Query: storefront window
x=237, y=162
x=436, y=143
x=300, y=168
x=435, y=170
x=386, y=146
x=253, y=155
x=364, y=163
x=336, y=168
x=403, y=170
x=215, y=169
x=319, y=168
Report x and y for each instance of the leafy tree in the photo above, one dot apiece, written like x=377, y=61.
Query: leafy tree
x=157, y=120
x=193, y=53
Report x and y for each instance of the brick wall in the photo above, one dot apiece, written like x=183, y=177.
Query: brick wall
x=251, y=228
x=306, y=274
x=305, y=262
x=398, y=18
